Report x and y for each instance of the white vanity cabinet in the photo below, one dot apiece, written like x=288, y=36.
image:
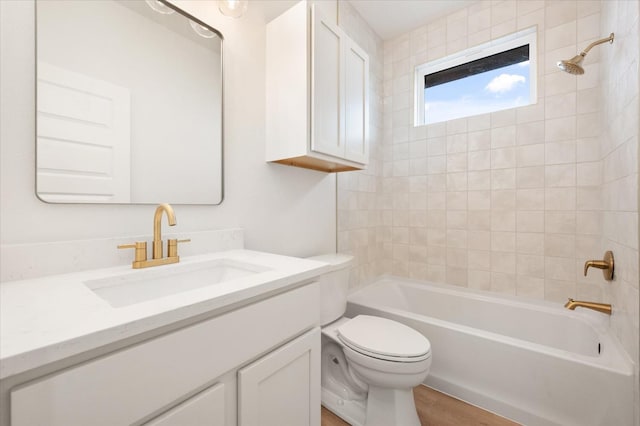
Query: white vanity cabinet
x=317, y=82
x=265, y=355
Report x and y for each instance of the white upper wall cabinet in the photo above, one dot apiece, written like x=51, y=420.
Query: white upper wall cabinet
x=317, y=93
x=356, y=104
x=327, y=87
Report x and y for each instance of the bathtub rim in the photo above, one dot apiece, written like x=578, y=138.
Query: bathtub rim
x=615, y=360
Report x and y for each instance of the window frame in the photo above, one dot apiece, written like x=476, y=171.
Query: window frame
x=527, y=36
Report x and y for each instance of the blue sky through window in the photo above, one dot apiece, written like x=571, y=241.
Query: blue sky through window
x=498, y=89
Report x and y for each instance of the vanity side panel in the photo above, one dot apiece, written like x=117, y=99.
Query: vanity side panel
x=146, y=379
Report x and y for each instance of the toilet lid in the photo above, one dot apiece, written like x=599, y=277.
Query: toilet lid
x=380, y=336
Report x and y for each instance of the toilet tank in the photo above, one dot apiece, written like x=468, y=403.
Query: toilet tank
x=334, y=286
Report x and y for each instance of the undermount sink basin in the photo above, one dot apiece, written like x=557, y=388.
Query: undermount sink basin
x=141, y=286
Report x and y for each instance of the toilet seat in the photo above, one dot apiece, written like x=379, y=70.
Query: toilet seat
x=384, y=339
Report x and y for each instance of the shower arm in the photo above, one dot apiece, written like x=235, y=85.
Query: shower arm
x=595, y=43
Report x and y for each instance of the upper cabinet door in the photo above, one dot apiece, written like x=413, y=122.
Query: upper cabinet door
x=327, y=87
x=356, y=103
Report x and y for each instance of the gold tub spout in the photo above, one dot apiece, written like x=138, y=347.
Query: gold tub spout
x=600, y=307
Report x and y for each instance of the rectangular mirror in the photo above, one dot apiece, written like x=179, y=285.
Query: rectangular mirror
x=129, y=104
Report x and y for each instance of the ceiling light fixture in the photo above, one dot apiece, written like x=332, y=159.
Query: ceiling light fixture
x=160, y=7
x=233, y=8
x=202, y=31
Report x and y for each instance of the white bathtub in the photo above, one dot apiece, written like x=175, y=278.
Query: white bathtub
x=534, y=362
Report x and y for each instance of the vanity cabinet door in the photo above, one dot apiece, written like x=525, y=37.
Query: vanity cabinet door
x=283, y=387
x=206, y=408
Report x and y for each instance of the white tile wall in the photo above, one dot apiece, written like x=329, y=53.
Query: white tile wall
x=513, y=201
x=619, y=169
x=509, y=201
x=359, y=218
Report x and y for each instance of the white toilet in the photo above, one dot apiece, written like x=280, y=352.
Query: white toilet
x=369, y=364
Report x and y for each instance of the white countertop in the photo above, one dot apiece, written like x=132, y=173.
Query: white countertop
x=51, y=318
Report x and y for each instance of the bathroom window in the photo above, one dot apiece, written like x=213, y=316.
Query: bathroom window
x=491, y=77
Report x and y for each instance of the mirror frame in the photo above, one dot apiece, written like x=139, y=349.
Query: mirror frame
x=222, y=108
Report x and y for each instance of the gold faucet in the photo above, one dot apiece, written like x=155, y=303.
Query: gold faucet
x=157, y=227
x=607, y=265
x=140, y=259
x=600, y=307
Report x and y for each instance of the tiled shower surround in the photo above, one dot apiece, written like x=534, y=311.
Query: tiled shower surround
x=359, y=216
x=514, y=201
x=619, y=154
x=508, y=201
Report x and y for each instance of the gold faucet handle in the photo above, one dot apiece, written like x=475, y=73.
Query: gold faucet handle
x=140, y=250
x=172, y=246
x=607, y=265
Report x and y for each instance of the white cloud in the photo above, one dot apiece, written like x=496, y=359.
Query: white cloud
x=504, y=82
x=524, y=64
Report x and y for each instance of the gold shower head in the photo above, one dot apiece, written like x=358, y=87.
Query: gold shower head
x=572, y=66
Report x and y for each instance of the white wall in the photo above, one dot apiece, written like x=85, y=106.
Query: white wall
x=175, y=103
x=282, y=209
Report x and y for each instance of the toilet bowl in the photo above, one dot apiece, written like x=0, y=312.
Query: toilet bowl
x=370, y=365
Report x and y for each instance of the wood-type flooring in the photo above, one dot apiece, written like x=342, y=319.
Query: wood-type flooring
x=437, y=409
